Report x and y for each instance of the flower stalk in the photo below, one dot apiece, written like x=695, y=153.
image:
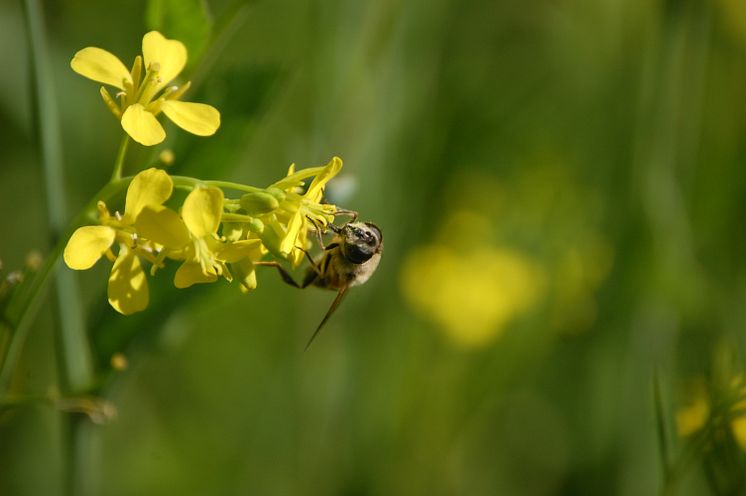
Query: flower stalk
x=119, y=162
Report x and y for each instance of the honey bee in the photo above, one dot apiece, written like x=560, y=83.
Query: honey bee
x=348, y=261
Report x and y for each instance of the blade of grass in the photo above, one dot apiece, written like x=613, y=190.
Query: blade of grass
x=664, y=450
x=77, y=366
x=74, y=353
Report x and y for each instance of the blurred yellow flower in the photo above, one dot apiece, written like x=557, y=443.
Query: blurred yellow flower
x=695, y=415
x=472, y=292
x=139, y=102
x=733, y=16
x=539, y=204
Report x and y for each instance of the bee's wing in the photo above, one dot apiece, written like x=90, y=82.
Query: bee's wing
x=329, y=313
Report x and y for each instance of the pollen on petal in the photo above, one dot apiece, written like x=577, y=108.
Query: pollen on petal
x=87, y=245
x=102, y=66
x=197, y=118
x=170, y=55
x=202, y=210
x=142, y=126
x=128, y=287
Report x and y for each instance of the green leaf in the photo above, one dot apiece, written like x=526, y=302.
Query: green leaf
x=188, y=21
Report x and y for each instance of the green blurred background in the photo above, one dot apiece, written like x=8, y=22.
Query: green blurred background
x=561, y=189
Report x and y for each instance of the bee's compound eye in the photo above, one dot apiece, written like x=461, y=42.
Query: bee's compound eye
x=357, y=253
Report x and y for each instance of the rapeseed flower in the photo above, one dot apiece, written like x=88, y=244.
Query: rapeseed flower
x=298, y=213
x=127, y=289
x=141, y=97
x=193, y=237
x=212, y=236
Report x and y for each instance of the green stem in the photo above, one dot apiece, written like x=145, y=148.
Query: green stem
x=74, y=353
x=77, y=365
x=236, y=218
x=119, y=162
x=191, y=182
x=235, y=186
x=664, y=451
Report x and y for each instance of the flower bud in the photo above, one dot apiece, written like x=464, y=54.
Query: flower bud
x=259, y=203
x=277, y=193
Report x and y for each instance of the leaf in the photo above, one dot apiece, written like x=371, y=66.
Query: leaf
x=188, y=21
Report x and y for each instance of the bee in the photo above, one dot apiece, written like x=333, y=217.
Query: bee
x=347, y=261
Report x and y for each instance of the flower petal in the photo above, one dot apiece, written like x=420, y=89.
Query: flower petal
x=149, y=188
x=102, y=66
x=162, y=225
x=142, y=126
x=202, y=210
x=197, y=118
x=238, y=250
x=296, y=255
x=291, y=235
x=316, y=189
x=191, y=273
x=128, y=288
x=86, y=246
x=246, y=273
x=171, y=56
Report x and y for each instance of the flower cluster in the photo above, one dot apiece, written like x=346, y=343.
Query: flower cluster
x=144, y=92
x=212, y=235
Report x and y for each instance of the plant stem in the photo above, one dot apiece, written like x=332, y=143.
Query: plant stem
x=77, y=366
x=660, y=424
x=236, y=217
x=75, y=362
x=190, y=182
x=236, y=186
x=119, y=162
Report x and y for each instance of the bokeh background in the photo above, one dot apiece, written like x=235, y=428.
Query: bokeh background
x=561, y=188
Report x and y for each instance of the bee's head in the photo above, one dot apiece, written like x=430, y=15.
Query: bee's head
x=360, y=241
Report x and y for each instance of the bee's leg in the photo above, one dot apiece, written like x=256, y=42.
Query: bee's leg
x=283, y=273
x=350, y=213
x=318, y=234
x=311, y=277
x=315, y=266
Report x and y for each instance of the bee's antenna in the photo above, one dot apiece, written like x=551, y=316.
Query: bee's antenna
x=334, y=228
x=329, y=313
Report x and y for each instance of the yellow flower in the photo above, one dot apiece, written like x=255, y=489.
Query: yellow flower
x=697, y=412
x=128, y=288
x=693, y=416
x=470, y=288
x=193, y=238
x=290, y=222
x=139, y=101
x=471, y=294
